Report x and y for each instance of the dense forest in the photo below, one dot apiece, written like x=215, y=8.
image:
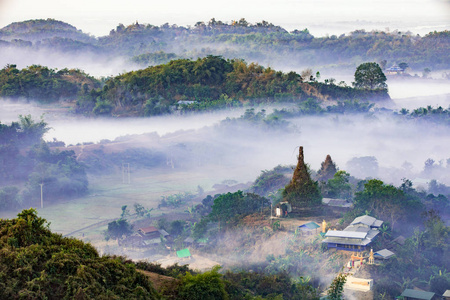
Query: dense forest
x=262, y=42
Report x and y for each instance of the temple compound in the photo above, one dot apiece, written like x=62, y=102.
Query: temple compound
x=356, y=237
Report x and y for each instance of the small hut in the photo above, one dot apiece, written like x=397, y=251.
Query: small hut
x=308, y=228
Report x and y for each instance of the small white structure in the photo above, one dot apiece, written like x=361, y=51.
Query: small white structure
x=358, y=284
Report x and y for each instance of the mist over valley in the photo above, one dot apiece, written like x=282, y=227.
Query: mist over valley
x=157, y=153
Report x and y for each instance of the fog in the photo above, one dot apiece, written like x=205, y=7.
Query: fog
x=323, y=17
x=392, y=140
x=97, y=65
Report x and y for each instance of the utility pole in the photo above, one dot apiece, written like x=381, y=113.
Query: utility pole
x=42, y=196
x=126, y=169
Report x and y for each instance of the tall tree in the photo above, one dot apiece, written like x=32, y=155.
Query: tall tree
x=370, y=76
x=327, y=170
x=302, y=190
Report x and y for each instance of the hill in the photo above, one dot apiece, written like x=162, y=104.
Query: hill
x=209, y=83
x=39, y=30
x=261, y=42
x=38, y=264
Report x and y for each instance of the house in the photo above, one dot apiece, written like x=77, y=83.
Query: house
x=149, y=232
x=398, y=241
x=394, y=70
x=342, y=203
x=308, y=228
x=355, y=237
x=410, y=294
x=188, y=241
x=383, y=254
x=446, y=295
x=186, y=102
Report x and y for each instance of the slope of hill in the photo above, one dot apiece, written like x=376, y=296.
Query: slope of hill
x=38, y=264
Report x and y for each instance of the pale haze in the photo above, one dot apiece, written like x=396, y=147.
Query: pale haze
x=321, y=17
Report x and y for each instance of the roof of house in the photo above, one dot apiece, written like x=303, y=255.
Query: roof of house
x=446, y=294
x=186, y=102
x=310, y=225
x=399, y=240
x=367, y=220
x=417, y=294
x=336, y=202
x=148, y=229
x=183, y=253
x=346, y=234
x=359, y=232
x=189, y=240
x=163, y=232
x=385, y=253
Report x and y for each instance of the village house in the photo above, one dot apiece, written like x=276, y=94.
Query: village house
x=145, y=236
x=410, y=294
x=356, y=237
x=394, y=70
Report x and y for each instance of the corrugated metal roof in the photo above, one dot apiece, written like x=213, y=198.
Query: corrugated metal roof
x=183, y=253
x=367, y=220
x=310, y=225
x=417, y=294
x=385, y=253
x=372, y=234
x=357, y=228
x=346, y=234
x=163, y=232
x=377, y=223
x=148, y=229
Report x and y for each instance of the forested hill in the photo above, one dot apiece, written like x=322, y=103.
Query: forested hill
x=39, y=30
x=262, y=42
x=210, y=83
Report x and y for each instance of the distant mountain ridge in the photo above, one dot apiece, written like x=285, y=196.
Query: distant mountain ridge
x=262, y=42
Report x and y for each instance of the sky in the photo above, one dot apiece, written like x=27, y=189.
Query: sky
x=321, y=17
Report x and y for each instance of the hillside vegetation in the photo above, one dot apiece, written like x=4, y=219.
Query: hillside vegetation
x=210, y=82
x=262, y=42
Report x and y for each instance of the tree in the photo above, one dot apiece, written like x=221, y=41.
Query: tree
x=387, y=201
x=327, y=170
x=403, y=65
x=339, y=186
x=208, y=285
x=230, y=205
x=117, y=229
x=302, y=191
x=337, y=287
x=426, y=72
x=370, y=76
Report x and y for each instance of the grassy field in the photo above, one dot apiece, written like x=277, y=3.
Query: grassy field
x=108, y=193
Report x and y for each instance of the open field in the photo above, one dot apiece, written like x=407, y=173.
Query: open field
x=108, y=193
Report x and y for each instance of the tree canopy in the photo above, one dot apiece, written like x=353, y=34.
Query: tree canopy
x=370, y=76
x=38, y=264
